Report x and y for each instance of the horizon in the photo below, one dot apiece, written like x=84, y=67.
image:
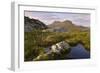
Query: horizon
x=81, y=19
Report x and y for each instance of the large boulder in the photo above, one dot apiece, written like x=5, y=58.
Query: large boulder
x=56, y=51
x=60, y=46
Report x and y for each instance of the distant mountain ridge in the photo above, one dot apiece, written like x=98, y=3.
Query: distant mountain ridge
x=31, y=24
x=66, y=26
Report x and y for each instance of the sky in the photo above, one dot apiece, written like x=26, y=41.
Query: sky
x=81, y=19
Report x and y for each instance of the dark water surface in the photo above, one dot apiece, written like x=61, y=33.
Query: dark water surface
x=78, y=52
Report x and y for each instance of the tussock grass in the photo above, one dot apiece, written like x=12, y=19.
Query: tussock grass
x=36, y=41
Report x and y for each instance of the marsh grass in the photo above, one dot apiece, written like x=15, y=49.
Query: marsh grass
x=37, y=40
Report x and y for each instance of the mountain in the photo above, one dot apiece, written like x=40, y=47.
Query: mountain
x=31, y=24
x=66, y=26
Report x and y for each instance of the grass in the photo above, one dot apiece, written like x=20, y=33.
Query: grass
x=36, y=41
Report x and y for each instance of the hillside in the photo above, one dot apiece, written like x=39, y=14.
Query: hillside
x=66, y=26
x=54, y=41
x=31, y=24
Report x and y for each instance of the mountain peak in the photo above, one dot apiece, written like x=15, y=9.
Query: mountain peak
x=66, y=25
x=55, y=22
x=67, y=21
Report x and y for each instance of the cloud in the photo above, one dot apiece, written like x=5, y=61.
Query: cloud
x=48, y=17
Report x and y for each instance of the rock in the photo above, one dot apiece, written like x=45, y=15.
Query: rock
x=54, y=48
x=31, y=24
x=59, y=46
x=56, y=51
x=41, y=57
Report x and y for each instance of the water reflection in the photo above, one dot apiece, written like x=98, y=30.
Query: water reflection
x=78, y=52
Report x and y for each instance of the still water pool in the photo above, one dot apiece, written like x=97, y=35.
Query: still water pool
x=78, y=52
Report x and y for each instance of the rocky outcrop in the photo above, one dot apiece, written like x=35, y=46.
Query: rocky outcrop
x=31, y=24
x=60, y=46
x=56, y=51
